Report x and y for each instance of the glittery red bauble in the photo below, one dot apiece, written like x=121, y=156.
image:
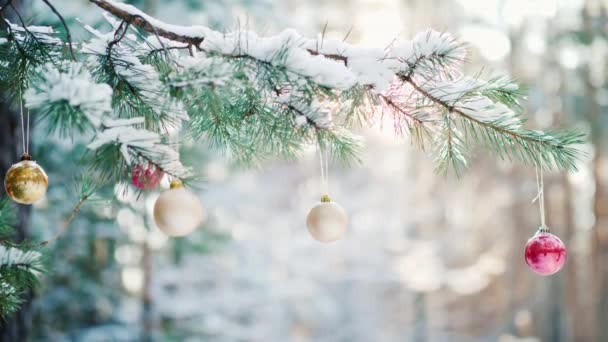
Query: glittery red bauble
x=545, y=253
x=146, y=178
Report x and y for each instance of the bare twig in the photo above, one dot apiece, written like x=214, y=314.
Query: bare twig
x=67, y=223
x=187, y=47
x=154, y=30
x=65, y=25
x=119, y=34
x=389, y=102
x=335, y=57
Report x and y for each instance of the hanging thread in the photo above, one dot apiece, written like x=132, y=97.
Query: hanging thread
x=326, y=171
x=175, y=140
x=322, y=163
x=27, y=134
x=22, y=122
x=540, y=197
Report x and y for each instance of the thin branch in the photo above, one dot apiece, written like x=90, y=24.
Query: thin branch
x=452, y=109
x=67, y=223
x=168, y=48
x=399, y=109
x=65, y=25
x=10, y=3
x=333, y=56
x=155, y=31
x=141, y=22
x=119, y=34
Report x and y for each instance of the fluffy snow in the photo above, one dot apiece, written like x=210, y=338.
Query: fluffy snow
x=75, y=86
x=127, y=65
x=11, y=256
x=135, y=142
x=43, y=34
x=201, y=70
x=312, y=58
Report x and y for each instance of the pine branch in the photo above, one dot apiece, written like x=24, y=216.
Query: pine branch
x=18, y=271
x=6, y=219
x=118, y=145
x=68, y=98
x=280, y=92
x=509, y=139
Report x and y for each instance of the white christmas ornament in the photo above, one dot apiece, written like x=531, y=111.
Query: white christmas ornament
x=327, y=221
x=177, y=211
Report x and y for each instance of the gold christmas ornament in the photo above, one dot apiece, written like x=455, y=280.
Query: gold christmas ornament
x=26, y=182
x=327, y=221
x=177, y=211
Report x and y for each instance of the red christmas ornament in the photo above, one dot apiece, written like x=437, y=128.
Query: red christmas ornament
x=146, y=178
x=545, y=253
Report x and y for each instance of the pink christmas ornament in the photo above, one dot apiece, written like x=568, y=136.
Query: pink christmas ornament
x=545, y=253
x=146, y=178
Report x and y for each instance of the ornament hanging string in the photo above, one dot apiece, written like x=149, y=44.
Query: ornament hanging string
x=25, y=131
x=326, y=171
x=27, y=134
x=540, y=197
x=324, y=163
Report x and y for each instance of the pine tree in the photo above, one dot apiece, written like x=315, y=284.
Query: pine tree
x=138, y=88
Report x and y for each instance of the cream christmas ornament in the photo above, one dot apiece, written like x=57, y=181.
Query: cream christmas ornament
x=177, y=211
x=327, y=221
x=26, y=182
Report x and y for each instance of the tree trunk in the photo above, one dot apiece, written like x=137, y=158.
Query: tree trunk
x=599, y=251
x=146, y=294
x=15, y=328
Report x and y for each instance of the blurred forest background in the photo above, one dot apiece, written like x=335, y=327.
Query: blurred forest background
x=426, y=258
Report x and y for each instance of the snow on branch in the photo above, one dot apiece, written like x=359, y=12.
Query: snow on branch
x=135, y=143
x=139, y=85
x=9, y=298
x=14, y=258
x=19, y=270
x=198, y=72
x=71, y=97
x=330, y=63
x=41, y=34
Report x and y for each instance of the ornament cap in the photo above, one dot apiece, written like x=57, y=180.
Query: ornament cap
x=26, y=156
x=543, y=229
x=325, y=198
x=176, y=184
